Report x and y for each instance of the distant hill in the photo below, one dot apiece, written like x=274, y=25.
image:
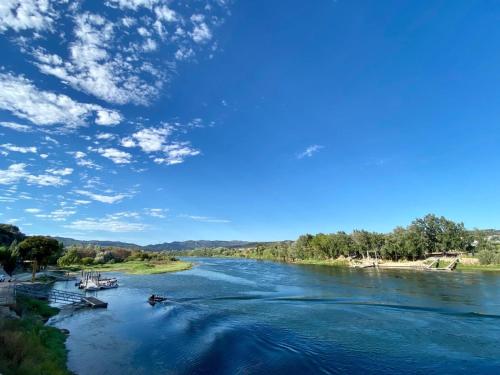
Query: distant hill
x=201, y=244
x=166, y=246
x=70, y=241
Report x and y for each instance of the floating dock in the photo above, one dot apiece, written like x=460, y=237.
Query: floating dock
x=94, y=302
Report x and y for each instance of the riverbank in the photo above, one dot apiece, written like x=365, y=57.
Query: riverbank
x=465, y=264
x=135, y=267
x=28, y=345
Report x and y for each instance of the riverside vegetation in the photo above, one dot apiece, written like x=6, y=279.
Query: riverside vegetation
x=28, y=345
x=427, y=235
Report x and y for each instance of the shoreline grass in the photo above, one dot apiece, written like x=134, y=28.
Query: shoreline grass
x=30, y=347
x=135, y=267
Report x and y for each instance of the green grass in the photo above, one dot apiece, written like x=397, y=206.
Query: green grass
x=28, y=347
x=32, y=307
x=478, y=267
x=31, y=348
x=137, y=267
x=324, y=262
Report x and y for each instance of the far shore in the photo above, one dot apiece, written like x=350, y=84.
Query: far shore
x=465, y=264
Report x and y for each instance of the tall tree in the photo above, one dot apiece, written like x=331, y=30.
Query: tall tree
x=37, y=250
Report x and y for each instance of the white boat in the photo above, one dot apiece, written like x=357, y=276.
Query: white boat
x=108, y=284
x=91, y=286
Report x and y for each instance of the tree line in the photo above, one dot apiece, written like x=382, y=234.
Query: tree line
x=34, y=252
x=427, y=235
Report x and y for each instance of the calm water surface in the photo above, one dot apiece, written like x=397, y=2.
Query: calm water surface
x=231, y=316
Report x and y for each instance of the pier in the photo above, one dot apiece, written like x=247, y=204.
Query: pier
x=40, y=291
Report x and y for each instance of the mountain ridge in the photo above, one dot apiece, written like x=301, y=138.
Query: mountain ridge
x=169, y=246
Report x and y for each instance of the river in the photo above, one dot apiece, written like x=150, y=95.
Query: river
x=236, y=316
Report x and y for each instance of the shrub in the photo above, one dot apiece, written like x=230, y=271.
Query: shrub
x=488, y=257
x=71, y=257
x=87, y=261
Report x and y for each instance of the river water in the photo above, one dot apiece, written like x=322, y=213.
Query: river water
x=232, y=316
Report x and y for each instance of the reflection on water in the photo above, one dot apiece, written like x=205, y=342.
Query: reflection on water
x=230, y=316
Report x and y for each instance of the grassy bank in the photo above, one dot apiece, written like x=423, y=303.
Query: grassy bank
x=28, y=346
x=136, y=267
x=478, y=267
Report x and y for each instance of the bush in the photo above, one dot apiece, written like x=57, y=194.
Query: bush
x=30, y=306
x=87, y=261
x=488, y=257
x=71, y=257
x=29, y=347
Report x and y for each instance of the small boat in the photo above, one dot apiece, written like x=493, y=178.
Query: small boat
x=91, y=286
x=154, y=299
x=108, y=283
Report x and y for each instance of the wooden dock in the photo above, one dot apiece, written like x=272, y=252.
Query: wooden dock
x=41, y=291
x=94, y=302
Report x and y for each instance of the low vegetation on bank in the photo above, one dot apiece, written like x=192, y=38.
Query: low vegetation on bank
x=101, y=259
x=27, y=345
x=19, y=251
x=427, y=235
x=135, y=267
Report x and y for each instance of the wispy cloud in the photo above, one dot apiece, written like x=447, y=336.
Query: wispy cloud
x=19, y=96
x=205, y=219
x=15, y=126
x=109, y=223
x=17, y=172
x=110, y=199
x=309, y=151
x=21, y=149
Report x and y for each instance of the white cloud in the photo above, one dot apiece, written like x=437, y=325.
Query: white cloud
x=108, y=118
x=82, y=161
x=176, y=153
x=16, y=126
x=13, y=174
x=19, y=96
x=206, y=219
x=22, y=150
x=115, y=155
x=98, y=65
x=57, y=215
x=81, y=202
x=149, y=140
x=52, y=140
x=156, y=212
x=132, y=4
x=106, y=224
x=22, y=15
x=201, y=32
x=46, y=180
x=60, y=172
x=105, y=136
x=164, y=13
x=156, y=140
x=33, y=210
x=309, y=151
x=17, y=172
x=44, y=156
x=110, y=199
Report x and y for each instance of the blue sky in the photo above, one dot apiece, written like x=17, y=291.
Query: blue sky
x=156, y=120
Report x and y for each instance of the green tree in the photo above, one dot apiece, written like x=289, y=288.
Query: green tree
x=71, y=257
x=38, y=250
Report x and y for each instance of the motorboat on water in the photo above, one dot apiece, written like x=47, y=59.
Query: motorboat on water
x=154, y=299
